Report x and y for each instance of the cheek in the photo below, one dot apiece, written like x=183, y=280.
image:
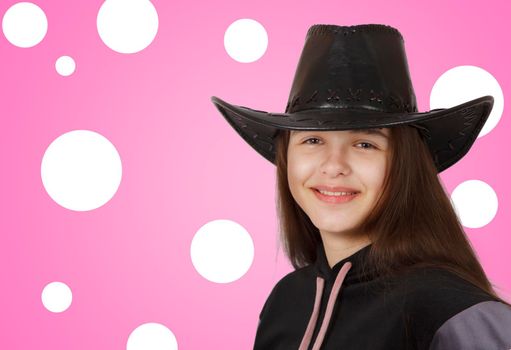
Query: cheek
x=376, y=174
x=293, y=173
x=298, y=171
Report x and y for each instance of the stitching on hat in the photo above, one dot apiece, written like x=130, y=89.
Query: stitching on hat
x=392, y=101
x=375, y=96
x=341, y=122
x=468, y=133
x=350, y=30
x=313, y=97
x=354, y=95
x=263, y=143
x=333, y=95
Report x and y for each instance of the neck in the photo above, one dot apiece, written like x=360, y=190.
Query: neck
x=339, y=247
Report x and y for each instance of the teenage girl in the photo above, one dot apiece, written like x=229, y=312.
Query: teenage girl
x=381, y=259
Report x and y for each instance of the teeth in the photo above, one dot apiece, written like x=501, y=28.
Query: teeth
x=336, y=193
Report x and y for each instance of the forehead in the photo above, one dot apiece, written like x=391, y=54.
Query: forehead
x=383, y=132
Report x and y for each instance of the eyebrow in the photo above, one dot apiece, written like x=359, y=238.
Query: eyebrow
x=352, y=131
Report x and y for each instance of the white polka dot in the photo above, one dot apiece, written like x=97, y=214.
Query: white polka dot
x=151, y=336
x=463, y=83
x=65, y=65
x=245, y=40
x=222, y=251
x=56, y=297
x=24, y=24
x=81, y=170
x=475, y=203
x=127, y=26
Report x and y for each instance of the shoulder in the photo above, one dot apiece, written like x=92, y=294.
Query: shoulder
x=289, y=287
x=485, y=325
x=300, y=278
x=436, y=289
x=438, y=298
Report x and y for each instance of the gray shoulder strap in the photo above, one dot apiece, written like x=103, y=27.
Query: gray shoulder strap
x=483, y=326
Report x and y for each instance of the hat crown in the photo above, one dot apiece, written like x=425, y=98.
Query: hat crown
x=360, y=67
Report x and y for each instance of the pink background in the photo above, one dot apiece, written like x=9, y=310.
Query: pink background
x=128, y=262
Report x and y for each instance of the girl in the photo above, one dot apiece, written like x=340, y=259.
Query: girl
x=381, y=260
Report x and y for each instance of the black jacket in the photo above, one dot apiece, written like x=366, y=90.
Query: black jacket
x=429, y=309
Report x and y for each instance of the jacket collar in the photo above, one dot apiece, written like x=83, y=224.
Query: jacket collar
x=354, y=275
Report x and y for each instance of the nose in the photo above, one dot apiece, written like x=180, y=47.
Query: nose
x=335, y=162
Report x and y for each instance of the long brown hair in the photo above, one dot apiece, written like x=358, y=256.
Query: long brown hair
x=412, y=224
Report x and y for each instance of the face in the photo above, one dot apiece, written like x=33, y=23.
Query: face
x=349, y=158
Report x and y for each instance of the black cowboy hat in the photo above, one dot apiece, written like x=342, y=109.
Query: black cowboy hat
x=357, y=77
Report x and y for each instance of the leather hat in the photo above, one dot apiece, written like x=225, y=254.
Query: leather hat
x=357, y=77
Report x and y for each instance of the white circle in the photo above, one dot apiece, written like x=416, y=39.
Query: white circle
x=127, y=26
x=222, y=251
x=464, y=83
x=24, y=24
x=81, y=170
x=56, y=297
x=245, y=40
x=151, y=336
x=65, y=65
x=475, y=203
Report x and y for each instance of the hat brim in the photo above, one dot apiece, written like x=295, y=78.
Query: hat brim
x=448, y=132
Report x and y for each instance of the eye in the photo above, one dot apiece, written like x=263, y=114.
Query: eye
x=312, y=138
x=366, y=143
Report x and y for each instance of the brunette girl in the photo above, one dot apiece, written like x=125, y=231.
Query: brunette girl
x=381, y=259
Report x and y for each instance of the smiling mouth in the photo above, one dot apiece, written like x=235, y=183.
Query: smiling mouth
x=341, y=192
x=335, y=199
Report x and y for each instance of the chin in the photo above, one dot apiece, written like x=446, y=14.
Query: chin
x=334, y=227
